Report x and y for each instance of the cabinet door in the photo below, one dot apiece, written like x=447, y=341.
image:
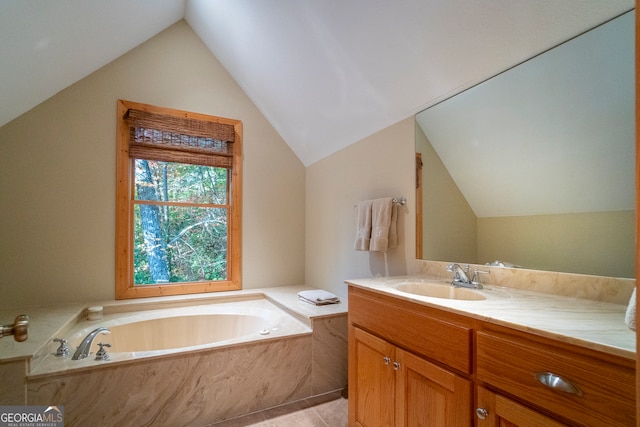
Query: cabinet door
x=371, y=380
x=495, y=410
x=427, y=395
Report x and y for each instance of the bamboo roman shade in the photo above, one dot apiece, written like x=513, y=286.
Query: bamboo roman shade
x=165, y=137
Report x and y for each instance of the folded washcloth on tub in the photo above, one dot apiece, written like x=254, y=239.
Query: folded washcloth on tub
x=318, y=297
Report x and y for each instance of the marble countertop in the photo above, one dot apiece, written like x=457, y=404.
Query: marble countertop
x=587, y=323
x=287, y=296
x=44, y=322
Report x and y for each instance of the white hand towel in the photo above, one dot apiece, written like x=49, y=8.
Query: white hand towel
x=318, y=297
x=381, y=211
x=363, y=225
x=630, y=315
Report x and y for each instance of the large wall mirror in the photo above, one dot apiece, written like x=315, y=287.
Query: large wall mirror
x=535, y=167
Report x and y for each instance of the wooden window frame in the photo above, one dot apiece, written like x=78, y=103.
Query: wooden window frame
x=124, y=286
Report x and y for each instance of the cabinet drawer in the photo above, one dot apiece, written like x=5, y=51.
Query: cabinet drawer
x=604, y=394
x=412, y=328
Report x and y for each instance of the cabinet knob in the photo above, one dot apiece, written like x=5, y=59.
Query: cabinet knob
x=386, y=360
x=396, y=366
x=556, y=382
x=482, y=413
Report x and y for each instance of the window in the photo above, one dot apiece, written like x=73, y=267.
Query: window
x=178, y=202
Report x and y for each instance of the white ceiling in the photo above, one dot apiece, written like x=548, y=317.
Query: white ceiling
x=324, y=73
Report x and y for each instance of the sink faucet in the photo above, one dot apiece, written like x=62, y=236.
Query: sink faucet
x=85, y=346
x=461, y=276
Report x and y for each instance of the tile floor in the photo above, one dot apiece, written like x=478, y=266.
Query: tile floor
x=329, y=410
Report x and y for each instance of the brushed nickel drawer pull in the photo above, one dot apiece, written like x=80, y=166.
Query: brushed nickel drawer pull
x=556, y=382
x=482, y=413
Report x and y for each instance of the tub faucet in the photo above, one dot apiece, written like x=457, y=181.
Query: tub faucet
x=85, y=346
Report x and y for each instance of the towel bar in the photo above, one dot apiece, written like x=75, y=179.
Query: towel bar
x=398, y=200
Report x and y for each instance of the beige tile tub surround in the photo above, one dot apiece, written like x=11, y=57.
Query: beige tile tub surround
x=13, y=389
x=329, y=338
x=193, y=388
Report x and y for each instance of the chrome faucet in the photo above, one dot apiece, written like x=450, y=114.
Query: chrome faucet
x=461, y=276
x=85, y=346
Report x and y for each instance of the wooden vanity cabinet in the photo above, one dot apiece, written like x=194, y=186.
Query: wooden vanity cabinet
x=584, y=387
x=390, y=382
x=372, y=381
x=393, y=387
x=410, y=364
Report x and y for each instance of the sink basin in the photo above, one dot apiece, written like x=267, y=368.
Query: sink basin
x=436, y=290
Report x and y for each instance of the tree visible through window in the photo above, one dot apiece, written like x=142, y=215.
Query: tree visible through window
x=178, y=202
x=180, y=222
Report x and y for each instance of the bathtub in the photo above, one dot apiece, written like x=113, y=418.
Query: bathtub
x=185, y=331
x=192, y=361
x=148, y=330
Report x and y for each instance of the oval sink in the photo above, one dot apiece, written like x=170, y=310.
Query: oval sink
x=439, y=291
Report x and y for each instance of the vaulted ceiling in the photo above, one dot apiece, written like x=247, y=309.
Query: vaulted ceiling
x=324, y=73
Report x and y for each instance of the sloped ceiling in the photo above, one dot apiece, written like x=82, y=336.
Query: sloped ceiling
x=325, y=73
x=46, y=46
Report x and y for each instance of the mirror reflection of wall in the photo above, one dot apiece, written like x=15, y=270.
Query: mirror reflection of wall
x=536, y=166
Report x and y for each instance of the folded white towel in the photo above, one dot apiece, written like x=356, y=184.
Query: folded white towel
x=318, y=297
x=381, y=213
x=630, y=315
x=363, y=225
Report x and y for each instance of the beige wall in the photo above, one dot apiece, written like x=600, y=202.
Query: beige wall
x=596, y=243
x=378, y=166
x=57, y=176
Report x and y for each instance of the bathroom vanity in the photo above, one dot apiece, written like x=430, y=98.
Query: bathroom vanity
x=510, y=357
